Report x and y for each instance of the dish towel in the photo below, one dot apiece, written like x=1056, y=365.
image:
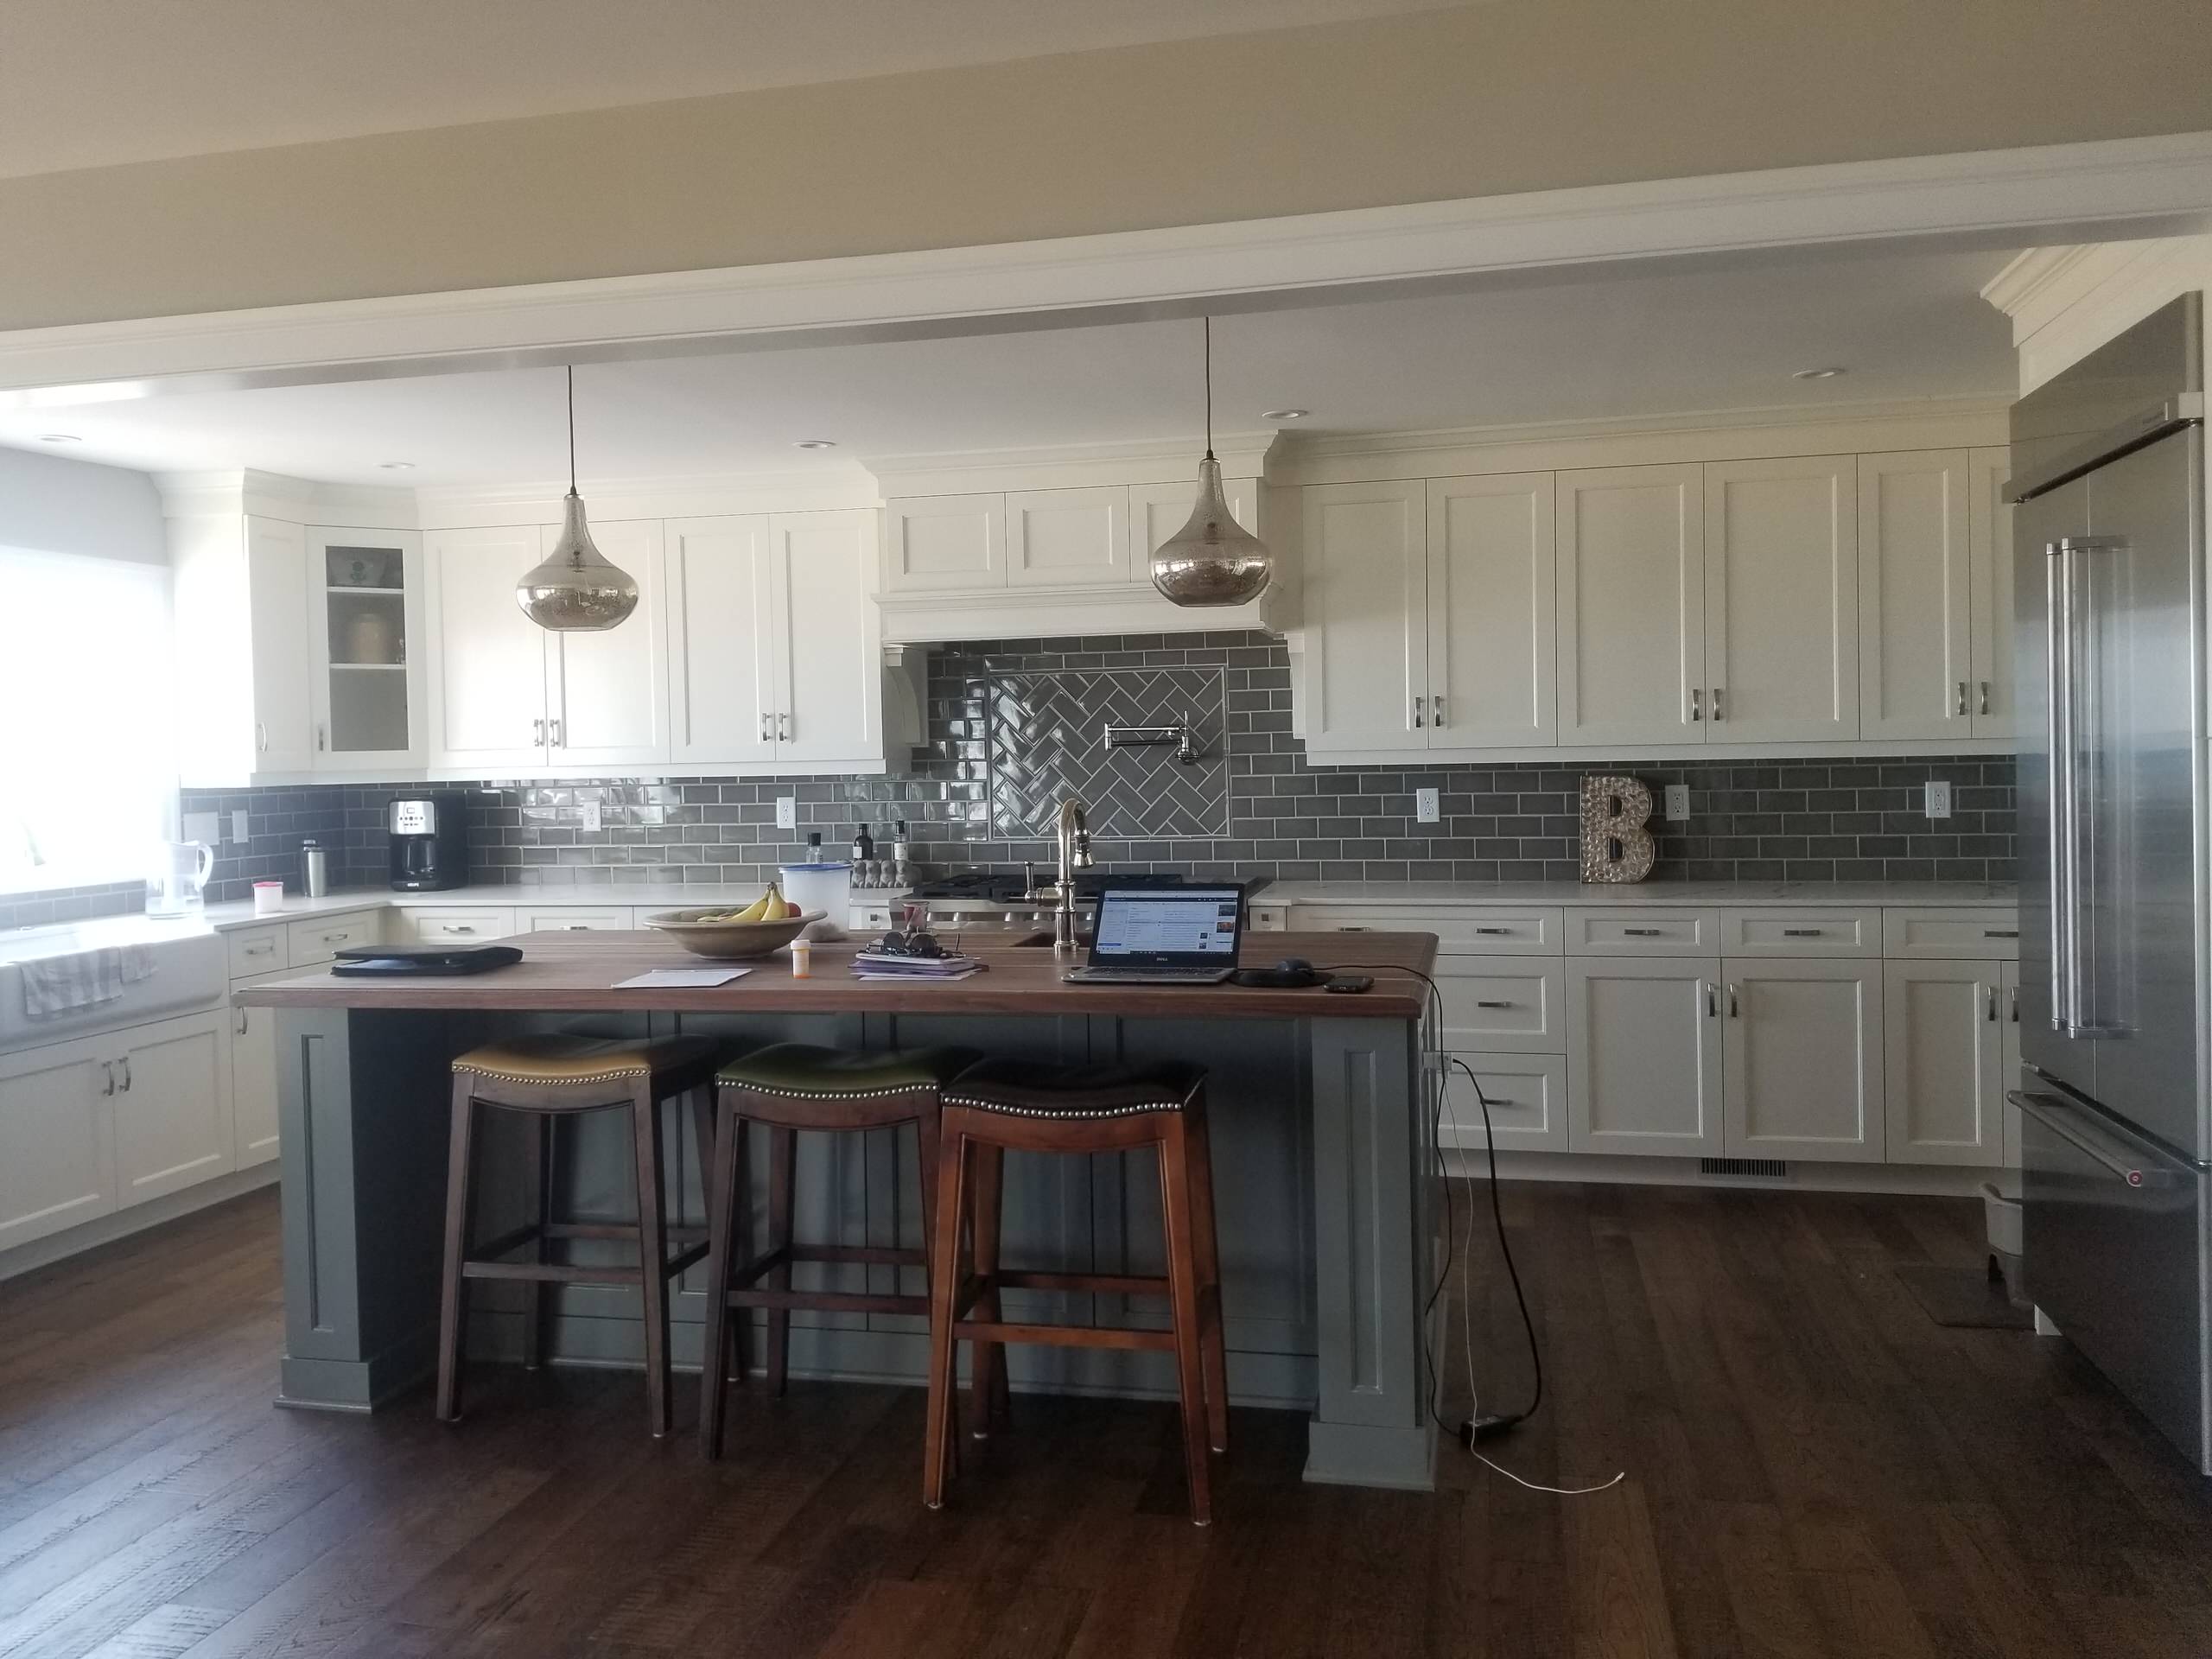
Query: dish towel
x=57, y=985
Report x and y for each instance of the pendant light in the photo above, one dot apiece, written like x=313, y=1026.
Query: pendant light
x=1212, y=559
x=577, y=589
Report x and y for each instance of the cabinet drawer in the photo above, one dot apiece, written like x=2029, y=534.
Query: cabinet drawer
x=1977, y=935
x=441, y=925
x=1512, y=1009
x=257, y=950
x=574, y=918
x=321, y=937
x=1527, y=1096
x=1649, y=932
x=1801, y=932
x=1465, y=930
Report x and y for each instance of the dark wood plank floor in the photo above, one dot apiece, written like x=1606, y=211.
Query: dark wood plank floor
x=1815, y=1468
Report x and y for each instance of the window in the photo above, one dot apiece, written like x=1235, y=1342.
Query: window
x=87, y=749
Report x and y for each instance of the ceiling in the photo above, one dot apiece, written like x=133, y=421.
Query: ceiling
x=170, y=79
x=1616, y=345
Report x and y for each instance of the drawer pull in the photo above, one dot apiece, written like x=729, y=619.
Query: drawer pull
x=1641, y=933
x=1500, y=931
x=261, y=949
x=1481, y=1004
x=1355, y=930
x=2001, y=933
x=1801, y=932
x=336, y=938
x=459, y=927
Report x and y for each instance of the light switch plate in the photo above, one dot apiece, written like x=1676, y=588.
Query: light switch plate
x=589, y=811
x=1426, y=806
x=1939, y=799
x=239, y=833
x=204, y=827
x=1678, y=802
x=786, y=811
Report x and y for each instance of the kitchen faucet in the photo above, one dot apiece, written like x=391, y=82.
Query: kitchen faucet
x=1074, y=836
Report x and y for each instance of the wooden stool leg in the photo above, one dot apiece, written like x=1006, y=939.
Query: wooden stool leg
x=1206, y=1246
x=652, y=1255
x=782, y=1150
x=538, y=1171
x=944, y=1306
x=987, y=1361
x=452, y=1301
x=1182, y=1285
x=719, y=1163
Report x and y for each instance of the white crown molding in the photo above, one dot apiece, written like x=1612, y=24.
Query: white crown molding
x=2085, y=301
x=1044, y=466
x=294, y=500
x=2030, y=273
x=677, y=496
x=2132, y=187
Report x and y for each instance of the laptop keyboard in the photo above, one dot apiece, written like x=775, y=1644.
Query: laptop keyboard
x=1146, y=975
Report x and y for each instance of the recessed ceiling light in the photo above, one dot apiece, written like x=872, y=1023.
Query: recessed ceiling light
x=397, y=466
x=59, y=437
x=1285, y=414
x=1817, y=374
x=815, y=444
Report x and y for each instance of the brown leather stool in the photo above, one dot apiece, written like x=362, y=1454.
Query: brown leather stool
x=1012, y=1105
x=792, y=1087
x=553, y=1075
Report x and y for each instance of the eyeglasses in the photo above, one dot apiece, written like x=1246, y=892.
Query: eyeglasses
x=920, y=943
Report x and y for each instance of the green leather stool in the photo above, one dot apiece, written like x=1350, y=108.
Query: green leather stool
x=789, y=1087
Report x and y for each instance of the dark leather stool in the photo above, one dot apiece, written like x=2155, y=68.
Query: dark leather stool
x=552, y=1077
x=792, y=1087
x=1011, y=1105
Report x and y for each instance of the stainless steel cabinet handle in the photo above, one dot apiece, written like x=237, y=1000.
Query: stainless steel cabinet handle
x=241, y=1025
x=1697, y=704
x=1963, y=700
x=125, y=1064
x=1718, y=715
x=784, y=727
x=764, y=736
x=538, y=733
x=336, y=938
x=261, y=949
x=108, y=1066
x=318, y=737
x=1437, y=704
x=260, y=737
x=2015, y=995
x=1711, y=1005
x=1990, y=993
x=1355, y=930
x=1982, y=707
x=1482, y=1004
x=1417, y=715
x=2001, y=933
x=461, y=927
x=1801, y=932
x=1734, y=1012
x=1641, y=933
x=557, y=742
x=1494, y=929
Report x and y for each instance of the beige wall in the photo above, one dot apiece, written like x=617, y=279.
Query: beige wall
x=1516, y=95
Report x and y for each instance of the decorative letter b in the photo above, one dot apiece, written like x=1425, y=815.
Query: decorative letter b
x=1616, y=847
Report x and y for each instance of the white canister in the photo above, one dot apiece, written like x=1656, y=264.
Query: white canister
x=826, y=887
x=268, y=898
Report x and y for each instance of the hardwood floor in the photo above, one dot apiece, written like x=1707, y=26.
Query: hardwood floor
x=1814, y=1468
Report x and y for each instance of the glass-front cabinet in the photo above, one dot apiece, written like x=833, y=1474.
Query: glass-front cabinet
x=364, y=603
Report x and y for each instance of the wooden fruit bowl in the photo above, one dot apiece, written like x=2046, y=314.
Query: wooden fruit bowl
x=730, y=941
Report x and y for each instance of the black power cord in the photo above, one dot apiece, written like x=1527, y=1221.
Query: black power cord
x=1490, y=1425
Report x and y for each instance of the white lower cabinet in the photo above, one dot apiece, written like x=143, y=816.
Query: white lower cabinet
x=173, y=1120
x=57, y=1139
x=1508, y=1005
x=1643, y=1055
x=574, y=919
x=1947, y=1042
x=1525, y=1094
x=1802, y=1059
x=253, y=1085
x=456, y=924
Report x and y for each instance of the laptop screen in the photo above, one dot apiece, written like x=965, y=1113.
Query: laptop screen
x=1147, y=926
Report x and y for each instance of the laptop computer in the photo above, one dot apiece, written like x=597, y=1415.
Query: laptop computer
x=1164, y=936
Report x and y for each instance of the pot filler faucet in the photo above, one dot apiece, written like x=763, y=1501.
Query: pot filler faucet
x=1074, y=836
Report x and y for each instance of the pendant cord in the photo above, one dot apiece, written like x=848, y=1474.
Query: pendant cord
x=572, y=428
x=1209, y=358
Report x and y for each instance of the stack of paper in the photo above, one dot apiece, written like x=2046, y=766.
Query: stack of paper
x=875, y=964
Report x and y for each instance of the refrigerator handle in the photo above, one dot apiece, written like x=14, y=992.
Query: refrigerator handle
x=2057, y=650
x=2108, y=1152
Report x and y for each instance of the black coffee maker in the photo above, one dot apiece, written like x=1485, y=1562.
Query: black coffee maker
x=430, y=841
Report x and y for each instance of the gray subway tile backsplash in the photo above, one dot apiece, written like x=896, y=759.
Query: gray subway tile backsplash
x=1013, y=724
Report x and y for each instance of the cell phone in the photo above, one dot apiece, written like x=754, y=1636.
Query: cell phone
x=1350, y=984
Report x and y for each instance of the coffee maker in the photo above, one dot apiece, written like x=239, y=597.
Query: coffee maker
x=430, y=841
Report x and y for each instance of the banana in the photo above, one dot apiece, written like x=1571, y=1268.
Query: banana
x=783, y=909
x=757, y=910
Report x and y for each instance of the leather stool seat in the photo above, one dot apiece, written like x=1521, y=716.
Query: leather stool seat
x=555, y=1060
x=1037, y=1089
x=808, y=1071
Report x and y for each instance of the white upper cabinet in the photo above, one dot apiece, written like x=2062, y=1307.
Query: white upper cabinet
x=937, y=543
x=1157, y=511
x=487, y=660
x=607, y=693
x=239, y=594
x=828, y=663
x=1631, y=606
x=364, y=632
x=1916, y=673
x=1989, y=538
x=1059, y=538
x=1366, y=658
x=1492, y=641
x=1782, y=600
x=278, y=661
x=720, y=643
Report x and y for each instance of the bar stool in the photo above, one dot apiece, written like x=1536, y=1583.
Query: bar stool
x=792, y=1087
x=1011, y=1105
x=552, y=1077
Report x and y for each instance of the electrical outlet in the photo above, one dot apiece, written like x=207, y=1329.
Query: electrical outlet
x=589, y=812
x=1678, y=802
x=1939, y=799
x=1426, y=809
x=239, y=833
x=786, y=811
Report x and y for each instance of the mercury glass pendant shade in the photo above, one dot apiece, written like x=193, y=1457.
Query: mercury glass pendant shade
x=576, y=588
x=1212, y=559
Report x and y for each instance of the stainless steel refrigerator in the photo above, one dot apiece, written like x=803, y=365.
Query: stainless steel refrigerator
x=2109, y=540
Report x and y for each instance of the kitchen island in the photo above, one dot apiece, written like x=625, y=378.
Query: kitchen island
x=1323, y=1146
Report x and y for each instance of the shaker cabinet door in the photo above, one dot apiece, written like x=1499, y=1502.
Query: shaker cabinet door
x=1492, y=641
x=488, y=666
x=1989, y=537
x=722, y=661
x=1948, y=1021
x=277, y=602
x=1366, y=661
x=607, y=697
x=57, y=1145
x=828, y=662
x=1061, y=538
x=1643, y=1055
x=1916, y=668
x=1631, y=606
x=1803, y=1042
x=1781, y=601
x=173, y=1124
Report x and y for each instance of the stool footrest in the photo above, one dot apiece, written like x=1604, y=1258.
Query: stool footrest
x=831, y=1302
x=1061, y=1336
x=1112, y=1284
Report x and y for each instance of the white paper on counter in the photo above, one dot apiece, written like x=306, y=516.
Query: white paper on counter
x=660, y=979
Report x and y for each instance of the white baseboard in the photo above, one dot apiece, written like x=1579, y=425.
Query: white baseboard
x=1805, y=1176
x=106, y=1229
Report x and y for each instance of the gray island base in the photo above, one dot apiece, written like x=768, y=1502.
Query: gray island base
x=1323, y=1154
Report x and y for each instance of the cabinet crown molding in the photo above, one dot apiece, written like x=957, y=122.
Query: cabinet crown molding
x=1047, y=466
x=292, y=500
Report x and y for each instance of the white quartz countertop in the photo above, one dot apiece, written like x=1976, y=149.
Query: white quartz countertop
x=1637, y=894
x=665, y=895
